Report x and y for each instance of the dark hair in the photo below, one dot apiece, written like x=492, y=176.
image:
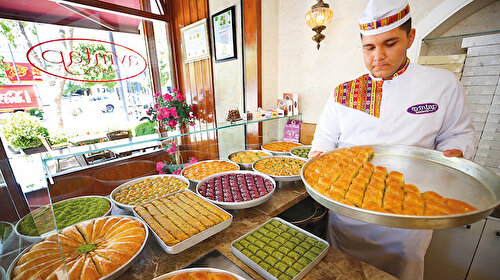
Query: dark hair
x=406, y=26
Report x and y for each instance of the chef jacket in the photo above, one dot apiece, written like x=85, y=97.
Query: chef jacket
x=420, y=106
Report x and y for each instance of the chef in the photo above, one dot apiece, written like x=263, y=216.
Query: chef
x=396, y=102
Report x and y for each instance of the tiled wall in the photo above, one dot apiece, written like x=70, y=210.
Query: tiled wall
x=481, y=80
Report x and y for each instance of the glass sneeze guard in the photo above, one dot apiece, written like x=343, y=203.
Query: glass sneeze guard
x=152, y=138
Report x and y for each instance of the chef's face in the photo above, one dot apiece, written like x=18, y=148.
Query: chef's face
x=385, y=53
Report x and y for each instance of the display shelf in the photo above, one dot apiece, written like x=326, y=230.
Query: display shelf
x=151, y=141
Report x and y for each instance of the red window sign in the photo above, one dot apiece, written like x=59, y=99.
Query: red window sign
x=27, y=73
x=88, y=60
x=17, y=97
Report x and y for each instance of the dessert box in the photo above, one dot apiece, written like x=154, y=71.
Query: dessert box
x=232, y=189
x=200, y=273
x=281, y=148
x=121, y=229
x=245, y=159
x=280, y=250
x=168, y=189
x=273, y=166
x=47, y=217
x=196, y=172
x=181, y=220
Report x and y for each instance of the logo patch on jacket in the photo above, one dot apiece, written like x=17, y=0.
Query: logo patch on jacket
x=424, y=108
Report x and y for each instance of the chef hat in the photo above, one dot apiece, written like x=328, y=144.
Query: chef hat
x=381, y=16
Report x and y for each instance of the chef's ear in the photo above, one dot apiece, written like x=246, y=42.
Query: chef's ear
x=411, y=37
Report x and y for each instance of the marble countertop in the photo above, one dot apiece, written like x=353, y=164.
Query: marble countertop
x=153, y=261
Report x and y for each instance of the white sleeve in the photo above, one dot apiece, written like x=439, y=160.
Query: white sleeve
x=457, y=131
x=327, y=131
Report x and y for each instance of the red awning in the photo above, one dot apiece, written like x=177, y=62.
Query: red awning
x=45, y=11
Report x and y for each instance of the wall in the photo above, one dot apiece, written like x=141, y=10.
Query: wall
x=228, y=83
x=228, y=75
x=302, y=69
x=485, y=19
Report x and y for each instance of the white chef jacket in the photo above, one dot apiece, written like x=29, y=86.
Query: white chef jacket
x=422, y=107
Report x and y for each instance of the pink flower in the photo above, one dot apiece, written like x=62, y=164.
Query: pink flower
x=173, y=112
x=157, y=94
x=148, y=112
x=164, y=112
x=191, y=123
x=172, y=123
x=177, y=172
x=159, y=166
x=172, y=149
x=193, y=160
x=180, y=97
x=161, y=172
x=176, y=91
x=167, y=97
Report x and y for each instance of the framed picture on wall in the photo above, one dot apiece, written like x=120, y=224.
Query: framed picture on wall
x=195, y=41
x=224, y=32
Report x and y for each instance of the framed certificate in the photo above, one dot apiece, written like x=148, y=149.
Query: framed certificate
x=195, y=41
x=224, y=32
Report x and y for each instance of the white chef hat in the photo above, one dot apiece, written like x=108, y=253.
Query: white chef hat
x=381, y=16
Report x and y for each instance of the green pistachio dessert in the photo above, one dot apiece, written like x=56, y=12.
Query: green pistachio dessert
x=280, y=250
x=67, y=212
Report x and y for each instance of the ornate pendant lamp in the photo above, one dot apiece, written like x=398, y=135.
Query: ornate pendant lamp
x=318, y=18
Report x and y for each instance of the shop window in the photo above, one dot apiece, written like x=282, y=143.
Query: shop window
x=83, y=82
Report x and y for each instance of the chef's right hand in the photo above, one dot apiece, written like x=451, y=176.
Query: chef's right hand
x=313, y=154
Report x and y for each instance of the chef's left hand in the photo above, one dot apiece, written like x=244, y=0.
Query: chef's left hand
x=453, y=153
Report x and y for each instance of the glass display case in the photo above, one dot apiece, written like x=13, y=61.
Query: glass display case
x=95, y=169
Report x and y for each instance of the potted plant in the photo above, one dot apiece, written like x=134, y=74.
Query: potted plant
x=171, y=110
x=22, y=130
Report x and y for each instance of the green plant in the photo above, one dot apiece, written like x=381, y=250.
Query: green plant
x=145, y=128
x=36, y=113
x=58, y=138
x=22, y=130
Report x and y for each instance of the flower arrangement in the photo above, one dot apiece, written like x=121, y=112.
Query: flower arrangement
x=164, y=167
x=171, y=109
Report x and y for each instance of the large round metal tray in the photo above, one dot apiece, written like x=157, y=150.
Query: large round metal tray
x=35, y=238
x=112, y=275
x=189, y=270
x=275, y=152
x=246, y=166
x=280, y=178
x=429, y=170
x=124, y=185
x=243, y=204
x=195, y=182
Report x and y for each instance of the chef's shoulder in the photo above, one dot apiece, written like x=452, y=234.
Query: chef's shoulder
x=431, y=74
x=346, y=86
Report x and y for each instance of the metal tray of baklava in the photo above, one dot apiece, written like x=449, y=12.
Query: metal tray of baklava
x=429, y=170
x=265, y=273
x=193, y=240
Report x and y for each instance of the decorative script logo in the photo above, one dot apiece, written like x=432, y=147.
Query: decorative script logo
x=88, y=60
x=425, y=108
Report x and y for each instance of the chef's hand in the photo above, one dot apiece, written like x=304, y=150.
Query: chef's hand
x=313, y=154
x=453, y=153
